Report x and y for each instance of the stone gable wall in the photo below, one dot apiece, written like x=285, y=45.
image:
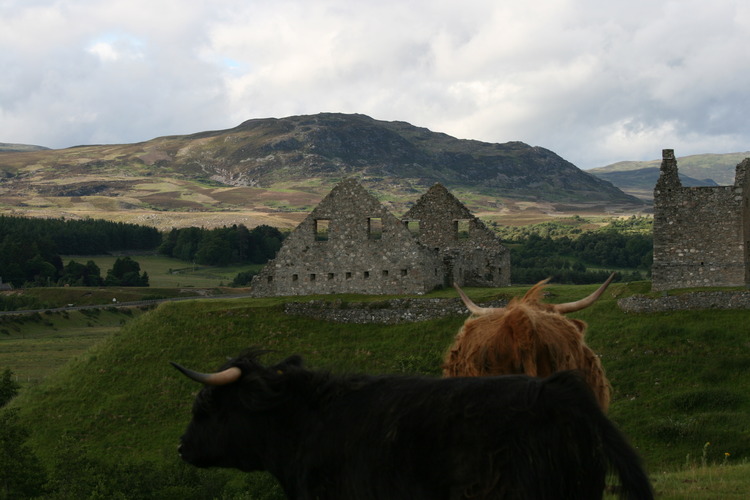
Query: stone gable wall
x=366, y=249
x=473, y=253
x=351, y=259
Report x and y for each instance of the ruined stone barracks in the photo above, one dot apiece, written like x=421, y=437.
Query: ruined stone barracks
x=350, y=243
x=701, y=234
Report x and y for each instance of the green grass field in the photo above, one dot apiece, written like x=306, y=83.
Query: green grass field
x=166, y=272
x=710, y=482
x=35, y=346
x=680, y=381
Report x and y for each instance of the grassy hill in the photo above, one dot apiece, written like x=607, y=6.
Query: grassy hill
x=640, y=182
x=719, y=168
x=680, y=380
x=15, y=148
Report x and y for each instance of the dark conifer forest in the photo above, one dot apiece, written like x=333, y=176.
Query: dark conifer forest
x=31, y=249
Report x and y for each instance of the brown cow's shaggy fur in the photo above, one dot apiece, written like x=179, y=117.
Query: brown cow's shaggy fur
x=526, y=337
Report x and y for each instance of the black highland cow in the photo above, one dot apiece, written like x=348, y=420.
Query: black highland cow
x=330, y=437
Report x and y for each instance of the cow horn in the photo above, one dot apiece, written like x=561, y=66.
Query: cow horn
x=470, y=305
x=219, y=378
x=584, y=303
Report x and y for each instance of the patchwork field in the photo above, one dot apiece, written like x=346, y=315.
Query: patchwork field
x=158, y=199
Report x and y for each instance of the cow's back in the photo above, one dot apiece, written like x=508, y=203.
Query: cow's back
x=489, y=438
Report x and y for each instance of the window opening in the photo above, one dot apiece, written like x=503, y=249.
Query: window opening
x=312, y=277
x=385, y=273
x=374, y=228
x=321, y=229
x=413, y=226
x=330, y=276
x=461, y=227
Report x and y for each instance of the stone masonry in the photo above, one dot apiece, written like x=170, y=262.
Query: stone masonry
x=350, y=243
x=701, y=234
x=472, y=254
x=693, y=301
x=389, y=312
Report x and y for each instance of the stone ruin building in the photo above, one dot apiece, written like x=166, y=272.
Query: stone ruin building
x=701, y=234
x=471, y=253
x=350, y=243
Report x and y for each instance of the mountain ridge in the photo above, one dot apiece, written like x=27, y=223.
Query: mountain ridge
x=640, y=182
x=638, y=178
x=7, y=147
x=288, y=164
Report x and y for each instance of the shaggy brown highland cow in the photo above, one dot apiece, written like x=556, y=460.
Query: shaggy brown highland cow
x=527, y=337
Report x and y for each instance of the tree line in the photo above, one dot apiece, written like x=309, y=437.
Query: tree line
x=568, y=260
x=223, y=246
x=31, y=249
x=80, y=237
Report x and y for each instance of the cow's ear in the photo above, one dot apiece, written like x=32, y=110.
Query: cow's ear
x=295, y=360
x=580, y=325
x=290, y=362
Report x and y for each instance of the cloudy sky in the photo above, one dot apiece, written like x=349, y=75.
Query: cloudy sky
x=594, y=81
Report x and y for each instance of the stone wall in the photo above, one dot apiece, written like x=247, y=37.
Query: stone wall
x=700, y=233
x=383, y=312
x=350, y=244
x=472, y=253
x=687, y=301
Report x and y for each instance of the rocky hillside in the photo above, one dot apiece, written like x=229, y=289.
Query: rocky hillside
x=268, y=151
x=289, y=164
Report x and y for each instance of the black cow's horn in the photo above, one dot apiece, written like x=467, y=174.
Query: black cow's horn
x=219, y=378
x=584, y=303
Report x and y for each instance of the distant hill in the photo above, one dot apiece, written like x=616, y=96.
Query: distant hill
x=15, y=148
x=641, y=182
x=288, y=164
x=637, y=177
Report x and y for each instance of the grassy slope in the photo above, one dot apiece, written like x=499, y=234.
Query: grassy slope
x=719, y=167
x=680, y=379
x=699, y=482
x=53, y=338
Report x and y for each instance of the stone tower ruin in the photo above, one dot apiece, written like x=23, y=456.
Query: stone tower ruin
x=350, y=243
x=701, y=234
